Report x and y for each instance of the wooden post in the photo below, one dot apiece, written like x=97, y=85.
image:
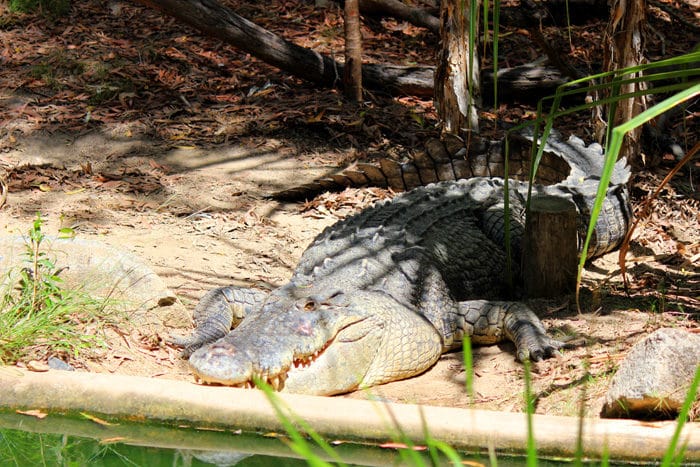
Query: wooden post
x=550, y=251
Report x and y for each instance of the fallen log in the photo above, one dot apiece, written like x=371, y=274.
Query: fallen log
x=213, y=19
x=399, y=10
x=528, y=14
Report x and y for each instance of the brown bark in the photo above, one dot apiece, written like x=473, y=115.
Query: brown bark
x=457, y=91
x=352, y=76
x=624, y=47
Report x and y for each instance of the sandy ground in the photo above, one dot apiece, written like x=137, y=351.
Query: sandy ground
x=199, y=218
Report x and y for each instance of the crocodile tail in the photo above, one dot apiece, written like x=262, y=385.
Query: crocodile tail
x=448, y=158
x=581, y=185
x=586, y=162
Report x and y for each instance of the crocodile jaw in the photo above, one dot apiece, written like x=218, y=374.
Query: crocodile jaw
x=339, y=369
x=322, y=352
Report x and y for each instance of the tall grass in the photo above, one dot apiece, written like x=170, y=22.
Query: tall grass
x=39, y=315
x=613, y=150
x=683, y=80
x=531, y=448
x=298, y=442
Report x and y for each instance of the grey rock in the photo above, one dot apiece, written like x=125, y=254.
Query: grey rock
x=653, y=380
x=58, y=364
x=100, y=269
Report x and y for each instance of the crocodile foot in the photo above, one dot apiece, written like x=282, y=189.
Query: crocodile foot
x=527, y=332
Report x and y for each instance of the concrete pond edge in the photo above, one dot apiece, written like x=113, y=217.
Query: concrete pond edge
x=181, y=403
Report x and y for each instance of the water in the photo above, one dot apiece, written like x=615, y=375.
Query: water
x=23, y=448
x=68, y=441
x=64, y=441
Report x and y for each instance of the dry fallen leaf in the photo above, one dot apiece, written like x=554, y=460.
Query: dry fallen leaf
x=97, y=420
x=35, y=365
x=395, y=445
x=116, y=439
x=33, y=413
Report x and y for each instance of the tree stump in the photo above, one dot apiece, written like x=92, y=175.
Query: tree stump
x=550, y=250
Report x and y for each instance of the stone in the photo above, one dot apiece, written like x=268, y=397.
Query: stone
x=654, y=378
x=104, y=271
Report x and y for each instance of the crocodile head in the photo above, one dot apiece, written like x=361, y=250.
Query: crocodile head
x=312, y=344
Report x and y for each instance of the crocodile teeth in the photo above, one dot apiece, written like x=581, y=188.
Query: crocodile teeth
x=303, y=361
x=307, y=360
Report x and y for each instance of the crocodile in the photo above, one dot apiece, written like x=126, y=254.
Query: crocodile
x=380, y=295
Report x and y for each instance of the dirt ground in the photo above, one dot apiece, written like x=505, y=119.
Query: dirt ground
x=142, y=134
x=201, y=219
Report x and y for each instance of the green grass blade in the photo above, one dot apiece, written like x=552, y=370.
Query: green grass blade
x=681, y=60
x=298, y=442
x=605, y=457
x=568, y=25
x=493, y=460
x=447, y=450
x=612, y=152
x=496, y=32
x=530, y=410
x=468, y=368
x=486, y=5
x=670, y=456
x=506, y=220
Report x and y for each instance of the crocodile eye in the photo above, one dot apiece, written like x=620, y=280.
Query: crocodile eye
x=310, y=305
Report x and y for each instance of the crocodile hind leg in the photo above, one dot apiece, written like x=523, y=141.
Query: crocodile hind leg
x=217, y=312
x=488, y=322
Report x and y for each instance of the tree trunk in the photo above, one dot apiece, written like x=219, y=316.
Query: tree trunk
x=457, y=91
x=352, y=76
x=624, y=47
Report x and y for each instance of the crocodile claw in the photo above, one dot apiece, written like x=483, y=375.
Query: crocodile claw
x=539, y=347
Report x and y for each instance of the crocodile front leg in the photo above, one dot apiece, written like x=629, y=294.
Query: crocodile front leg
x=489, y=322
x=217, y=312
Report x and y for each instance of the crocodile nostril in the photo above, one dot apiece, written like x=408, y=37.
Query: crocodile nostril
x=221, y=348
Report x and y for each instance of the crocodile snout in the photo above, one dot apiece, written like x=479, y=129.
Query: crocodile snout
x=221, y=363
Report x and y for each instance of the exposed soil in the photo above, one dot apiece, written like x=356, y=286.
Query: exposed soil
x=176, y=168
